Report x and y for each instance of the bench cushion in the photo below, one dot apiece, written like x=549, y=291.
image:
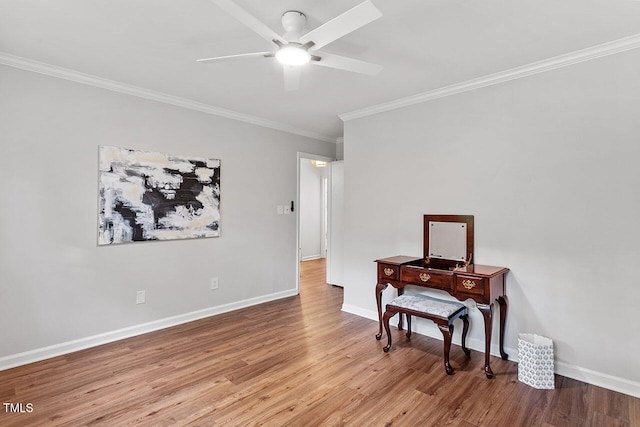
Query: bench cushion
x=428, y=305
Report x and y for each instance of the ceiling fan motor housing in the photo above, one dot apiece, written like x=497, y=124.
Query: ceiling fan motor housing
x=293, y=22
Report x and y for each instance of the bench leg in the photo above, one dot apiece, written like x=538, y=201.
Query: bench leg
x=465, y=329
x=408, y=325
x=385, y=319
x=447, y=332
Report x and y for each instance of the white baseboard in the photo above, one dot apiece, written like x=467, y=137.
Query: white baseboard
x=43, y=353
x=369, y=314
x=310, y=257
x=621, y=385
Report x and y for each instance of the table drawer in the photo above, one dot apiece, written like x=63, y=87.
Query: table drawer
x=388, y=272
x=427, y=277
x=470, y=284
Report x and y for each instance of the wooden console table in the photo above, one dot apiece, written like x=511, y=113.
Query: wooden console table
x=481, y=283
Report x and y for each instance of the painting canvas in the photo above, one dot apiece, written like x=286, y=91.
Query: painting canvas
x=155, y=196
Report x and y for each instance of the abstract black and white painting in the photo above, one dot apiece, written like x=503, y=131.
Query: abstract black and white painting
x=154, y=196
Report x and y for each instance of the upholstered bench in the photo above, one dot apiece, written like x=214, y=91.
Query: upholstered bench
x=441, y=312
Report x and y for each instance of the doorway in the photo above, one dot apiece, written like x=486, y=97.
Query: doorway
x=313, y=215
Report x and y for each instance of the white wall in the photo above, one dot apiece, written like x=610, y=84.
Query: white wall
x=57, y=285
x=548, y=165
x=311, y=205
x=340, y=149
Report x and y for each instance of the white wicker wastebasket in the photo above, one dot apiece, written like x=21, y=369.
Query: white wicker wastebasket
x=535, y=361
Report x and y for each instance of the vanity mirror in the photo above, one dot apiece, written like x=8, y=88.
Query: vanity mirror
x=448, y=241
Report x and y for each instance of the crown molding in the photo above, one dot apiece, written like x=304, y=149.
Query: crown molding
x=565, y=60
x=115, y=86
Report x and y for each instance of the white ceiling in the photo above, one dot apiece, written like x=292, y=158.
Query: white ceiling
x=423, y=45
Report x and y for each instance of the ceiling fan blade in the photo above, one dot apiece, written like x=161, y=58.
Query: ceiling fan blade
x=291, y=77
x=341, y=25
x=348, y=64
x=248, y=19
x=238, y=56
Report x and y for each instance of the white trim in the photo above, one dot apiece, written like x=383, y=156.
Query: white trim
x=91, y=80
x=311, y=257
x=594, y=52
x=621, y=385
x=352, y=309
x=39, y=354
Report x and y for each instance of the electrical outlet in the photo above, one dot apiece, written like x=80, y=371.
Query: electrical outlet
x=141, y=297
x=280, y=209
x=214, y=283
x=287, y=210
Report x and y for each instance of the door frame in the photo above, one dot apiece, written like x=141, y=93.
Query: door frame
x=303, y=155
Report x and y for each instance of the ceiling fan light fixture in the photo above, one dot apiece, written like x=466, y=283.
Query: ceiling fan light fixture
x=293, y=54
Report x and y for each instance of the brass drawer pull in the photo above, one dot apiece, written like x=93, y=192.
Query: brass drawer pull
x=388, y=271
x=424, y=277
x=469, y=284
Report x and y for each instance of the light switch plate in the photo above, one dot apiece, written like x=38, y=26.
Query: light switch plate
x=140, y=297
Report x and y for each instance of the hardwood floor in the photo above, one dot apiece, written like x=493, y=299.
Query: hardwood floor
x=298, y=361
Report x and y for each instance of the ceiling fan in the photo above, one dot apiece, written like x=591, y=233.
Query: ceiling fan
x=294, y=49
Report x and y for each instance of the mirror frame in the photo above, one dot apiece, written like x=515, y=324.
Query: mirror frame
x=446, y=263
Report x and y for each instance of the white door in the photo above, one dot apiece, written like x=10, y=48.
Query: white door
x=335, y=266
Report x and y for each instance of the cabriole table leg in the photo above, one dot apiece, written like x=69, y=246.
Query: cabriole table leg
x=379, y=288
x=504, y=304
